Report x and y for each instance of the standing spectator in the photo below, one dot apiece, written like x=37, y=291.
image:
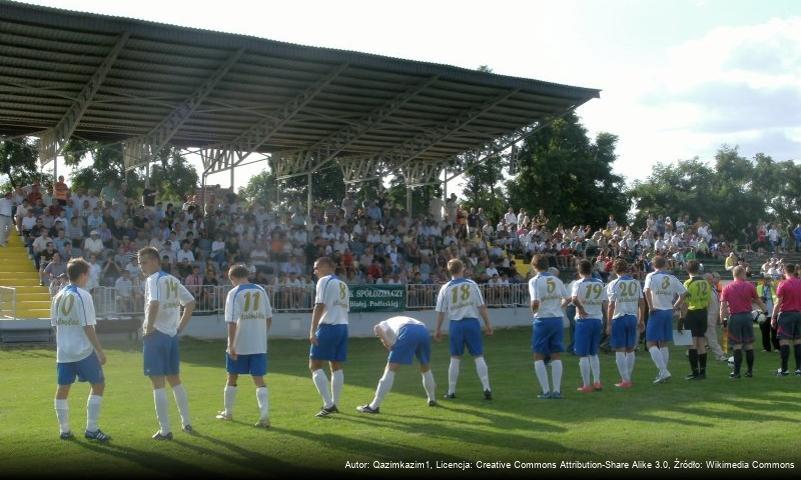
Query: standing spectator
x=193, y=281
x=124, y=292
x=6, y=212
x=61, y=192
x=797, y=236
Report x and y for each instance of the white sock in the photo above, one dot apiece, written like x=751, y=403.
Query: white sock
x=556, y=375
x=542, y=376
x=622, y=367
x=630, y=357
x=229, y=397
x=384, y=386
x=321, y=382
x=264, y=404
x=92, y=412
x=658, y=359
x=337, y=382
x=162, y=410
x=429, y=385
x=63, y=415
x=179, y=393
x=666, y=356
x=584, y=368
x=453, y=375
x=595, y=365
x=483, y=372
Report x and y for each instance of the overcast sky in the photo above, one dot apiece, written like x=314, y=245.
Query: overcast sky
x=678, y=78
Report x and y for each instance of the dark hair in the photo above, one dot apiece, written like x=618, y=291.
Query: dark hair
x=789, y=268
x=540, y=262
x=659, y=262
x=621, y=266
x=77, y=267
x=585, y=267
x=693, y=266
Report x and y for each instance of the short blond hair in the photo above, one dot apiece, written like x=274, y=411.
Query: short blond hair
x=455, y=266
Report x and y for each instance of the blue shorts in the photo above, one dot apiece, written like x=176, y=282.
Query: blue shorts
x=332, y=343
x=624, y=332
x=660, y=326
x=161, y=354
x=588, y=336
x=413, y=341
x=547, y=336
x=87, y=370
x=254, y=364
x=465, y=331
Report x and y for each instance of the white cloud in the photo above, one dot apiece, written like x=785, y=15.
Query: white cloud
x=734, y=85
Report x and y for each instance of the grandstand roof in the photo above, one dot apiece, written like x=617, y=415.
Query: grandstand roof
x=115, y=79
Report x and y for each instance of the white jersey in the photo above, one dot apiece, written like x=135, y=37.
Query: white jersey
x=592, y=295
x=335, y=295
x=392, y=326
x=248, y=306
x=72, y=309
x=664, y=289
x=171, y=295
x=549, y=291
x=459, y=299
x=626, y=292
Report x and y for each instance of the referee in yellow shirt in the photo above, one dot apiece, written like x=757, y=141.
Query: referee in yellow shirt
x=694, y=318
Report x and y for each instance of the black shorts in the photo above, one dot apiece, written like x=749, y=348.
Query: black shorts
x=789, y=326
x=741, y=329
x=696, y=322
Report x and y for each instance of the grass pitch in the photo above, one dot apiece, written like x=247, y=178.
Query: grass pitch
x=719, y=419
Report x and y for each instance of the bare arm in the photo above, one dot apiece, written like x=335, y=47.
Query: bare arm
x=438, y=331
x=231, y=338
x=317, y=314
x=579, y=307
x=775, y=315
x=724, y=310
x=535, y=305
x=485, y=316
x=152, y=311
x=641, y=320
x=648, y=299
x=92, y=336
x=186, y=316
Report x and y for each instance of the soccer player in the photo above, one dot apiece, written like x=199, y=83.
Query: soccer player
x=78, y=351
x=661, y=288
x=462, y=302
x=329, y=334
x=589, y=296
x=695, y=317
x=405, y=338
x=735, y=308
x=164, y=297
x=786, y=318
x=548, y=297
x=626, y=312
x=248, y=315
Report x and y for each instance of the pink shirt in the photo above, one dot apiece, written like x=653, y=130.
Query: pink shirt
x=739, y=294
x=790, y=293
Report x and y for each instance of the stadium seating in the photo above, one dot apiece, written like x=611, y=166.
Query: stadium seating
x=18, y=271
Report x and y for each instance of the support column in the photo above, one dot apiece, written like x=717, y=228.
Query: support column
x=309, y=198
x=55, y=173
x=232, y=180
x=147, y=175
x=444, y=183
x=409, y=201
x=203, y=193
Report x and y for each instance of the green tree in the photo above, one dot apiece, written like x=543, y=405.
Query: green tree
x=260, y=189
x=18, y=162
x=563, y=172
x=170, y=174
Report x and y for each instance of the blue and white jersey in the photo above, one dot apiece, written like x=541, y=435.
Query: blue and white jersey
x=72, y=309
x=392, y=326
x=664, y=289
x=626, y=292
x=549, y=291
x=171, y=296
x=248, y=306
x=459, y=299
x=335, y=295
x=592, y=295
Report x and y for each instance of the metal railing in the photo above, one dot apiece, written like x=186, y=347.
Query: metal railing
x=109, y=302
x=8, y=302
